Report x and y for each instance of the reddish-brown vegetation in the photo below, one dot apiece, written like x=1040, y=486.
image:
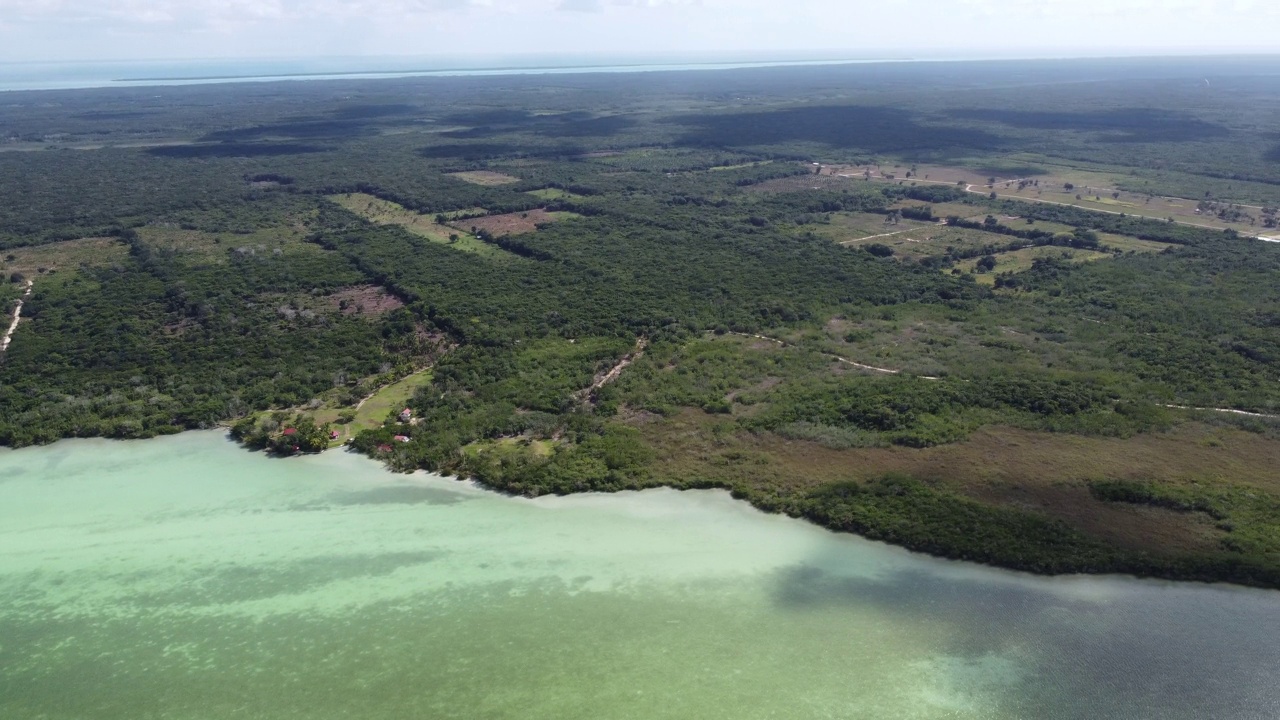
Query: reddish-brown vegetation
x=369, y=300
x=509, y=224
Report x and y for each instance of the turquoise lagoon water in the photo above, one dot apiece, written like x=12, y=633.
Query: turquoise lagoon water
x=183, y=578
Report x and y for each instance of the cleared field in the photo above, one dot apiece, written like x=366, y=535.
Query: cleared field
x=797, y=183
x=385, y=212
x=554, y=194
x=68, y=255
x=360, y=301
x=932, y=240
x=511, y=223
x=391, y=398
x=375, y=410
x=1019, y=260
x=485, y=177
x=1125, y=243
x=205, y=247
x=363, y=300
x=852, y=227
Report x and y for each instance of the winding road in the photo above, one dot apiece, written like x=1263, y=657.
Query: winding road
x=17, y=317
x=586, y=395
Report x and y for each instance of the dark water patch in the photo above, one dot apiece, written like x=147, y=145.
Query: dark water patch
x=227, y=150
x=1272, y=155
x=13, y=474
x=400, y=495
x=870, y=129
x=234, y=583
x=1135, y=651
x=1123, y=125
x=990, y=610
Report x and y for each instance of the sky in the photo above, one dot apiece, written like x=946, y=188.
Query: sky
x=66, y=30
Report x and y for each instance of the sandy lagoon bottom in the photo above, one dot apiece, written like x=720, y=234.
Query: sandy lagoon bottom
x=184, y=578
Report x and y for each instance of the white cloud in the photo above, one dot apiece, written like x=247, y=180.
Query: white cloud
x=581, y=5
x=55, y=29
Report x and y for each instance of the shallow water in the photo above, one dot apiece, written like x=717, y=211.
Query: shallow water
x=184, y=578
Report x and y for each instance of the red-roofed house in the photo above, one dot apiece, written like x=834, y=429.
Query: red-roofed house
x=406, y=415
x=290, y=432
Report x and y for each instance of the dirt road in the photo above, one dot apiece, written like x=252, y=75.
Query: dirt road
x=17, y=317
x=587, y=394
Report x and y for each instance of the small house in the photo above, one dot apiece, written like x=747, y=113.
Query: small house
x=406, y=415
x=402, y=438
x=290, y=432
x=334, y=434
x=384, y=448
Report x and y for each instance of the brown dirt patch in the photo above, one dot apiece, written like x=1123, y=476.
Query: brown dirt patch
x=485, y=177
x=509, y=224
x=367, y=300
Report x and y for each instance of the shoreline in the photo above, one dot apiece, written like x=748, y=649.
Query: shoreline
x=1174, y=570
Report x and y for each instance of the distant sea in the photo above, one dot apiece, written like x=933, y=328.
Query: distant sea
x=74, y=75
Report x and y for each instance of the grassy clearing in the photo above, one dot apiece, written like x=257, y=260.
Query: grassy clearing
x=503, y=447
x=511, y=223
x=562, y=215
x=69, y=255
x=554, y=194
x=375, y=410
x=487, y=178
x=385, y=212
x=856, y=226
x=392, y=398
x=206, y=247
x=1125, y=243
x=919, y=240
x=455, y=214
x=1020, y=260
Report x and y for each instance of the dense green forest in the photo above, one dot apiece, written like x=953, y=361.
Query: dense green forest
x=693, y=279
